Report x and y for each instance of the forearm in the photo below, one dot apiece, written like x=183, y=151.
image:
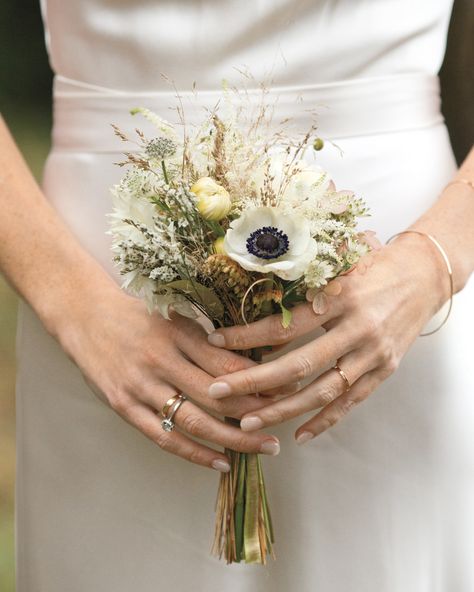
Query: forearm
x=451, y=221
x=38, y=254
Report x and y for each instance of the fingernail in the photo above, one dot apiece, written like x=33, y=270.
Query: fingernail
x=216, y=339
x=304, y=437
x=270, y=447
x=251, y=423
x=219, y=389
x=221, y=465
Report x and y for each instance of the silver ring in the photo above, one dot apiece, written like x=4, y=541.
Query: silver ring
x=167, y=423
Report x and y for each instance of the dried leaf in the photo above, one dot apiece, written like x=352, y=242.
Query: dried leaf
x=201, y=294
x=286, y=315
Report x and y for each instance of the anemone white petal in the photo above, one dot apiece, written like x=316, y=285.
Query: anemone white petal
x=241, y=228
x=247, y=263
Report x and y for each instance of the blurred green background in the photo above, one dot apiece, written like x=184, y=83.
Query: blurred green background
x=25, y=102
x=25, y=99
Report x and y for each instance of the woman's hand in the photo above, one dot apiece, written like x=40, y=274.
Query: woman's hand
x=369, y=327
x=136, y=361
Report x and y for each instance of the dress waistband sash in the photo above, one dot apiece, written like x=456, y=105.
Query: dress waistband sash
x=359, y=107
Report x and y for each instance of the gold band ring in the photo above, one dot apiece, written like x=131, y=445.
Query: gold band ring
x=172, y=405
x=342, y=374
x=167, y=405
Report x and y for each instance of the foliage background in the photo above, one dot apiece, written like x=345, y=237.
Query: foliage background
x=25, y=102
x=25, y=98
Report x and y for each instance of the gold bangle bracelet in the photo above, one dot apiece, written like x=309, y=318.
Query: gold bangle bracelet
x=448, y=266
x=463, y=181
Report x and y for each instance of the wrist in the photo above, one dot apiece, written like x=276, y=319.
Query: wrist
x=425, y=263
x=75, y=302
x=461, y=254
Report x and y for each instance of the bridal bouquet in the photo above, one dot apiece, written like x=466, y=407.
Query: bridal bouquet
x=231, y=220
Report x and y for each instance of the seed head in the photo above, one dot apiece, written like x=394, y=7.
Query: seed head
x=160, y=148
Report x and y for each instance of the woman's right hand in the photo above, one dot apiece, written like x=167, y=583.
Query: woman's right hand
x=135, y=362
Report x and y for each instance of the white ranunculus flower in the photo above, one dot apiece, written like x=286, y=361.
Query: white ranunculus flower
x=265, y=240
x=312, y=181
x=306, y=180
x=126, y=206
x=273, y=167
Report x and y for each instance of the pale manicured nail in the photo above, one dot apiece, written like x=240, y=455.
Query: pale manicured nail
x=251, y=423
x=216, y=339
x=219, y=389
x=270, y=447
x=304, y=437
x=221, y=465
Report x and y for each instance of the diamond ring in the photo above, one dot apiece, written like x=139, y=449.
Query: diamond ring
x=171, y=406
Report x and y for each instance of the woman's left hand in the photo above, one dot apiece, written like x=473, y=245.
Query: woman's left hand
x=369, y=327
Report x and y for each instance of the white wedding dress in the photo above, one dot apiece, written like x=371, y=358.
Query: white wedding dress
x=384, y=501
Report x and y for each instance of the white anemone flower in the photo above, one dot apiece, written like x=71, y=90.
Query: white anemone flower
x=265, y=240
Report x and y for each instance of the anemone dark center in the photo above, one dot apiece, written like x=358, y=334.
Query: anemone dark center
x=268, y=243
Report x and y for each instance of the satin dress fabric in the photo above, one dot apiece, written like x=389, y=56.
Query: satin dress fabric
x=383, y=501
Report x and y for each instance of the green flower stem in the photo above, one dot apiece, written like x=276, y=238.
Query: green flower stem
x=165, y=172
x=266, y=509
x=215, y=227
x=252, y=549
x=239, y=507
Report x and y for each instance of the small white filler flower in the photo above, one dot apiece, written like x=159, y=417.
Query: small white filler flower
x=266, y=240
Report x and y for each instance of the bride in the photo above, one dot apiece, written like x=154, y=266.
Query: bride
x=379, y=501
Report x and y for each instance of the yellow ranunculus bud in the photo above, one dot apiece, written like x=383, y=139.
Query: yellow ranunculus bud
x=219, y=246
x=213, y=199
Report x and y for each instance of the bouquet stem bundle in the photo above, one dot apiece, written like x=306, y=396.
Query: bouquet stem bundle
x=244, y=530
